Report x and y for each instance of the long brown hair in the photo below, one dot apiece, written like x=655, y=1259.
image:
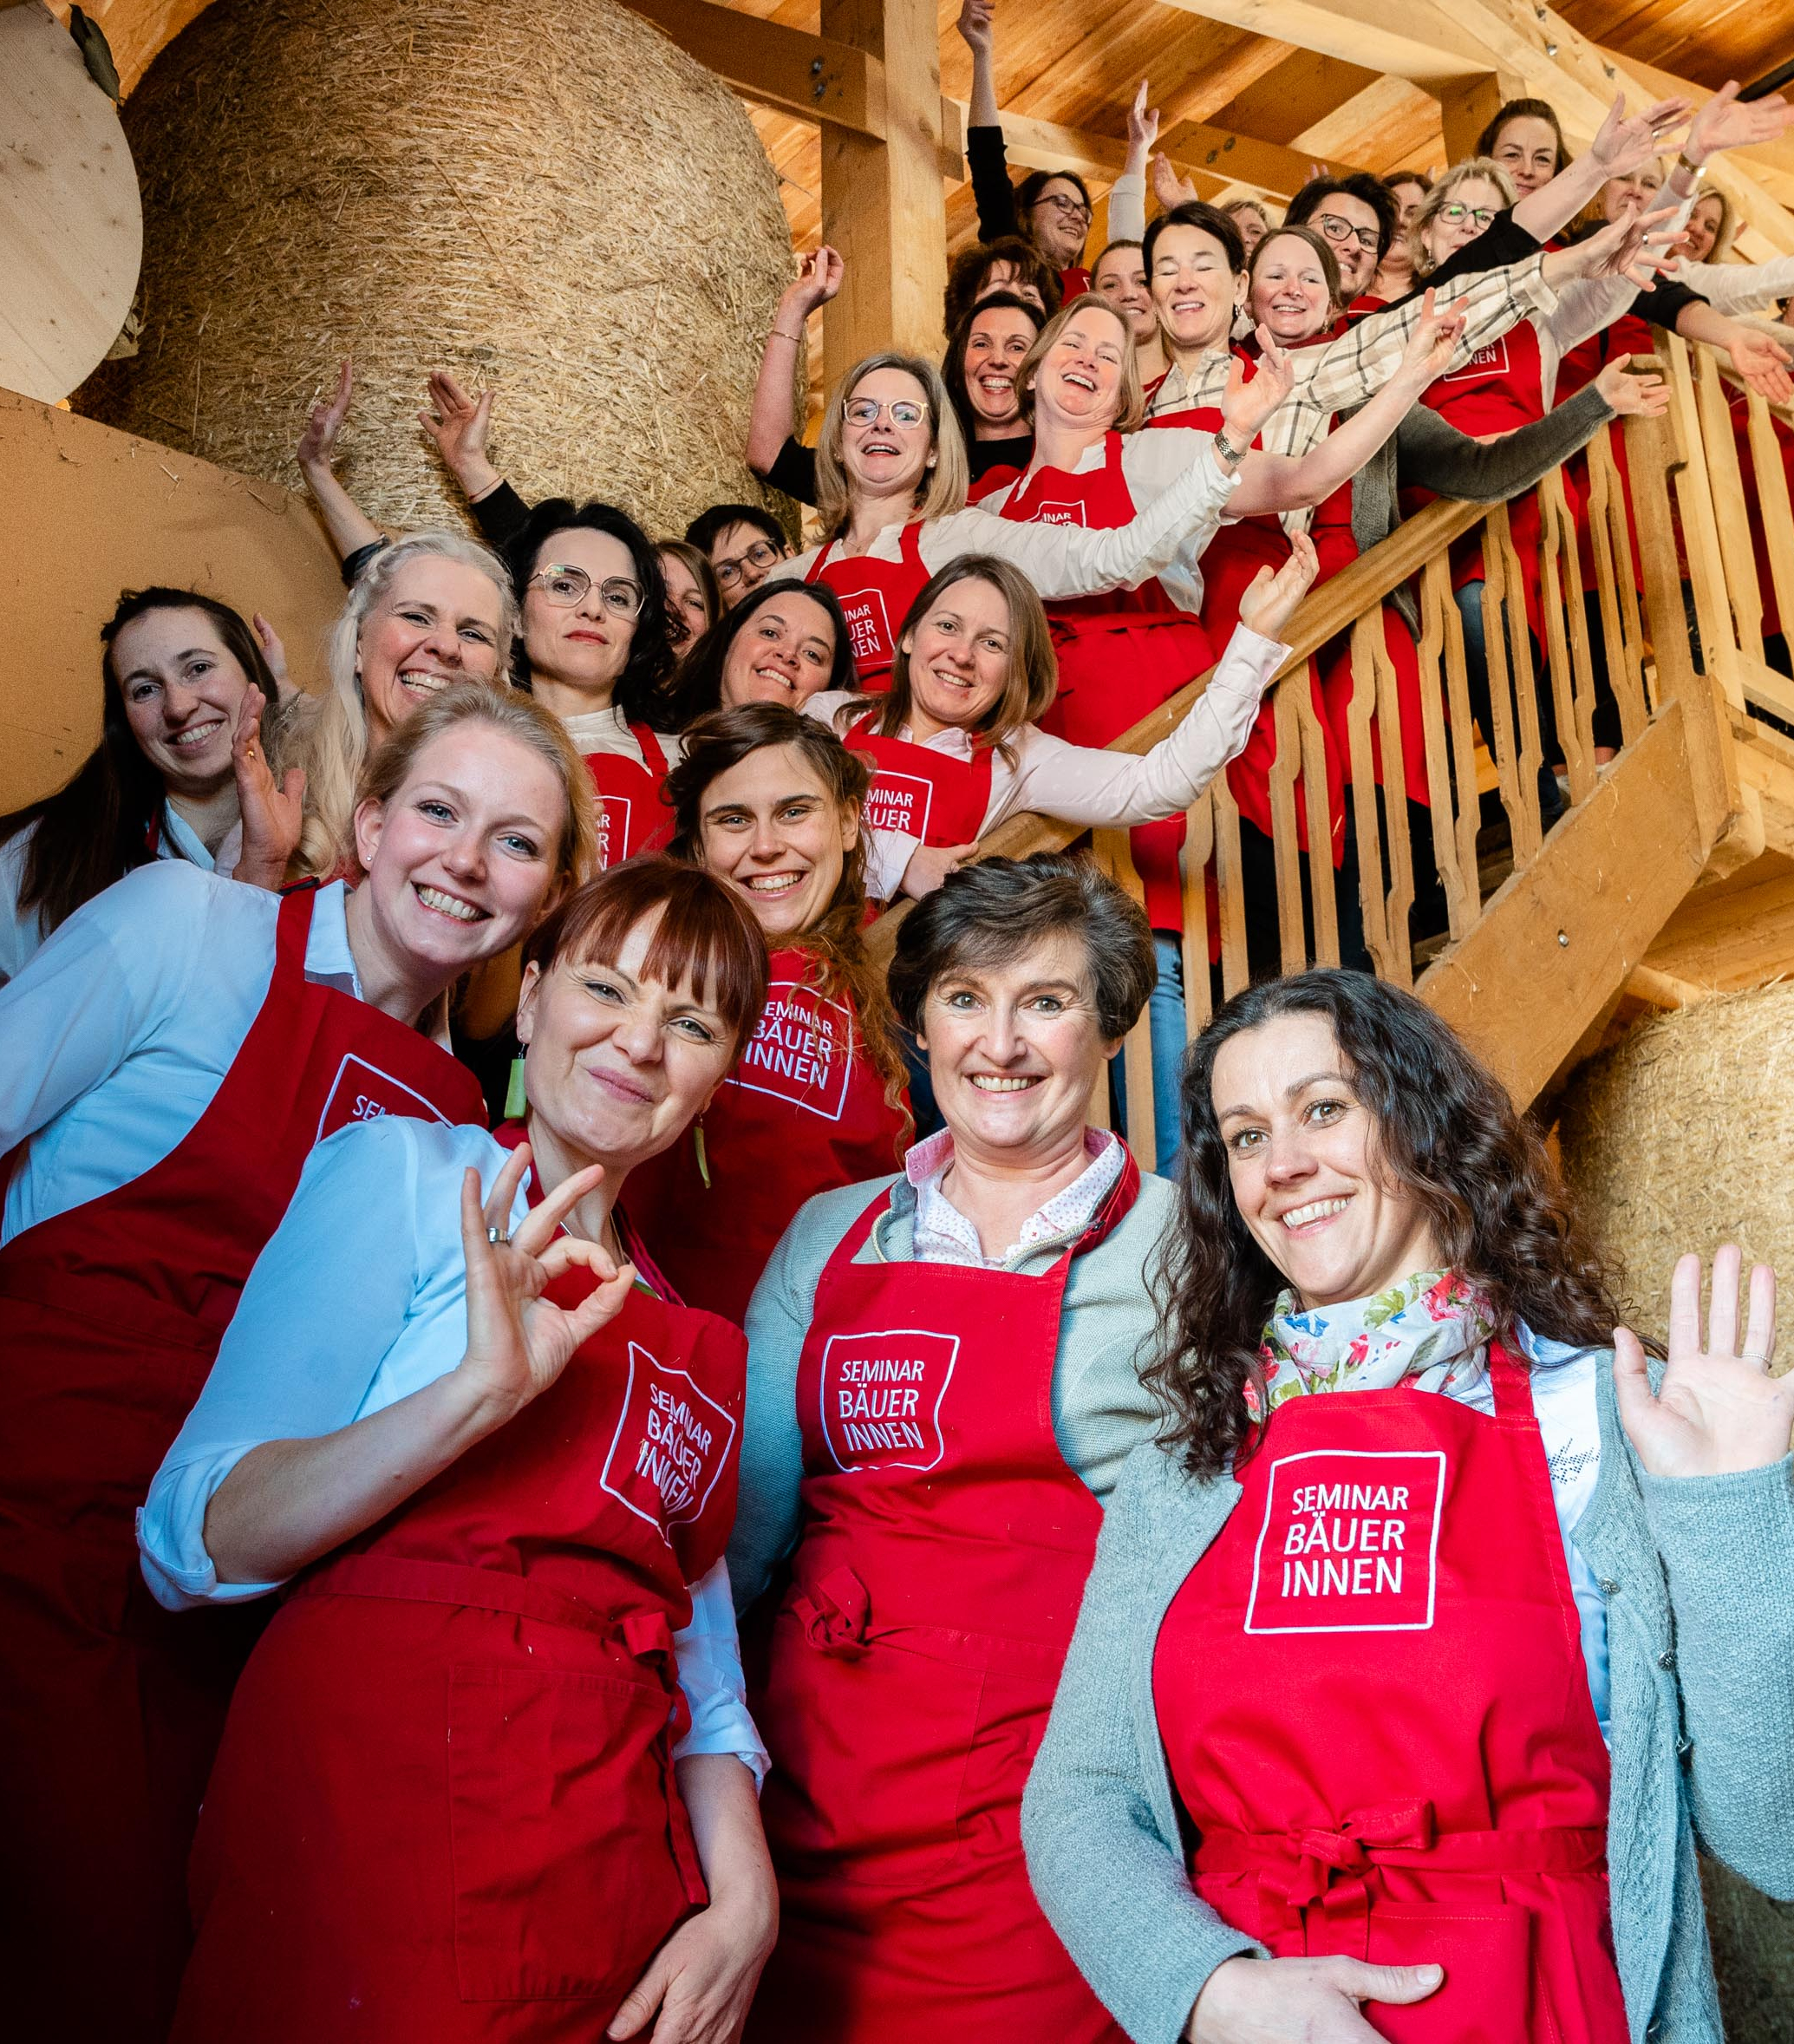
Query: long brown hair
x=1446, y=1133
x=107, y=819
x=1034, y=666
x=721, y=741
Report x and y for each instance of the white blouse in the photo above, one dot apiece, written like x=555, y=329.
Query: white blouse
x=340, y=1319
x=115, y=1038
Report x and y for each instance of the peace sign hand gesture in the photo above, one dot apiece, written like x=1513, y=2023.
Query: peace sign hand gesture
x=1717, y=1410
x=518, y=1342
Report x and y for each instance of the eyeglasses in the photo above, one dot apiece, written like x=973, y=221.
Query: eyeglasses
x=1455, y=215
x=1069, y=209
x=761, y=555
x=563, y=587
x=867, y=411
x=1341, y=231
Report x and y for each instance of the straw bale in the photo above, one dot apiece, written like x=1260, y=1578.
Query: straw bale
x=1681, y=1138
x=545, y=196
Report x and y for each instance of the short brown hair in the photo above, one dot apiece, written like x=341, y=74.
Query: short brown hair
x=992, y=912
x=967, y=270
x=705, y=933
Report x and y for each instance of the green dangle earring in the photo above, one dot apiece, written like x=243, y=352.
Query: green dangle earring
x=697, y=1139
x=515, y=1099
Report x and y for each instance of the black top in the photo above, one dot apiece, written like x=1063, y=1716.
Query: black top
x=500, y=514
x=1504, y=241
x=993, y=193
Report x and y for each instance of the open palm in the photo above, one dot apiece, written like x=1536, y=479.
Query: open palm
x=1717, y=1410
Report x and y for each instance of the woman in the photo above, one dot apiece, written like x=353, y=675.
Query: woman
x=694, y=599
x=1007, y=263
x=926, y=1501
x=1250, y=218
x=891, y=486
x=769, y=801
x=171, y=1057
x=985, y=340
x=1394, y=276
x=1489, y=1575
x=1119, y=278
x=180, y=771
x=786, y=642
x=501, y=1460
x=426, y=612
x=593, y=648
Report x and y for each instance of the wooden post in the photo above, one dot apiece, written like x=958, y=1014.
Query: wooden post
x=882, y=201
x=1466, y=108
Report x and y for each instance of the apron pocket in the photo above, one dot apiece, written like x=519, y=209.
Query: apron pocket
x=565, y=1879
x=869, y=1751
x=1486, y=1997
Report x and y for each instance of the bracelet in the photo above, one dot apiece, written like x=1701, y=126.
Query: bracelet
x=1229, y=453
x=1694, y=170
x=780, y=332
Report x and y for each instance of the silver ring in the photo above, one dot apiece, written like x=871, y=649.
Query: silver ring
x=497, y=1236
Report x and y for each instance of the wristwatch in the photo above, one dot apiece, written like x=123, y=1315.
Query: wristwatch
x=1229, y=453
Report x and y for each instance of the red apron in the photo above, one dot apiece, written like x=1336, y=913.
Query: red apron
x=1074, y=283
x=1120, y=655
x=110, y=1316
x=914, y=1657
x=991, y=482
x=932, y=795
x=802, y=1113
x=1628, y=335
x=632, y=813
x=1229, y=561
x=444, y=1800
x=1375, y=1706
x=875, y=595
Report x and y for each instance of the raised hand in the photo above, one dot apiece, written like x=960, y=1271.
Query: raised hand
x=1724, y=123
x=1168, y=188
x=272, y=815
x=1623, y=144
x=1717, y=1409
x=1431, y=345
x=1270, y=600
x=1763, y=363
x=1300, y=2001
x=459, y=424
x=1246, y=405
x=975, y=26
x=273, y=651
x=819, y=277
x=1635, y=249
x=1142, y=128
x=318, y=444
x=1645, y=397
x=518, y=1342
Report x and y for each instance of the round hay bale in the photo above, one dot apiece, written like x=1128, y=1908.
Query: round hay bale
x=1679, y=1138
x=546, y=196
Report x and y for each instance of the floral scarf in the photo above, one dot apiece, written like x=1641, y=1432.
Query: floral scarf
x=1429, y=1332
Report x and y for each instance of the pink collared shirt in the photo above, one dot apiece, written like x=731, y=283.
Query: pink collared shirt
x=943, y=1235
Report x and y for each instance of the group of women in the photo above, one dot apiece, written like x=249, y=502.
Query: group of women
x=692, y=1560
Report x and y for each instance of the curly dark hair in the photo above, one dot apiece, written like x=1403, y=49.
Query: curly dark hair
x=650, y=656
x=1447, y=1132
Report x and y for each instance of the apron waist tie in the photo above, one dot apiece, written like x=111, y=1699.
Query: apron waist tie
x=835, y=1613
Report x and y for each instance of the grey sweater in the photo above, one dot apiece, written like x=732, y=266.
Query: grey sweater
x=1699, y=1575
x=1099, y=1411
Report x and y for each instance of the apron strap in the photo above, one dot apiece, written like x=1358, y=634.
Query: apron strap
x=910, y=547
x=1510, y=1382
x=814, y=570
x=292, y=931
x=652, y=756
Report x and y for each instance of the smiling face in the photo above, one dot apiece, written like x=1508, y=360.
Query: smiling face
x=958, y=654
x=1194, y=292
x=182, y=689
x=686, y=612
x=1302, y=1163
x=1442, y=237
x=1526, y=148
x=1078, y=383
x=617, y=1065
x=1059, y=218
x=1352, y=230
x=1120, y=278
x=1289, y=289
x=436, y=622
x=885, y=458
x=743, y=556
x=1702, y=231
x=785, y=652
x=1252, y=225
x=1015, y=1051
x=999, y=338
x=459, y=861
x=584, y=645
x=776, y=834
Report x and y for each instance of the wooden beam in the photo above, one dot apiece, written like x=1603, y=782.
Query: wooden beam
x=883, y=206
x=813, y=76
x=1416, y=40
x=1739, y=934
x=1465, y=109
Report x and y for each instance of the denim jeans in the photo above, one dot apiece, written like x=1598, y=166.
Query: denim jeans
x=1164, y=1018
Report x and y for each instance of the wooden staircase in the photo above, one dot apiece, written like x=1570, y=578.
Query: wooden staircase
x=1671, y=871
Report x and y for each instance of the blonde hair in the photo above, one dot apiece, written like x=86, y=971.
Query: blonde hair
x=1033, y=679
x=517, y=716
x=1448, y=182
x=1131, y=408
x=944, y=487
x=327, y=734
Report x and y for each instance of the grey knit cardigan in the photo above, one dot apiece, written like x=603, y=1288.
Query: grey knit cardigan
x=1698, y=1574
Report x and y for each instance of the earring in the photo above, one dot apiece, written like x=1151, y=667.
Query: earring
x=697, y=1139
x=515, y=1099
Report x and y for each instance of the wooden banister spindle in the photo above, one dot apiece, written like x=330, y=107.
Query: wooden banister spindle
x=1566, y=637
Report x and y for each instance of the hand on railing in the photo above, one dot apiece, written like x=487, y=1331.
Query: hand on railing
x=1645, y=397
x=930, y=864
x=1270, y=600
x=1763, y=363
x=459, y=424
